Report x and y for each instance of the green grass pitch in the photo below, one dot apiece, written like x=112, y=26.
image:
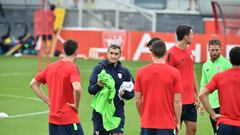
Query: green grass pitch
x=15, y=74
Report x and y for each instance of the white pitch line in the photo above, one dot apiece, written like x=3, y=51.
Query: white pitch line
x=14, y=96
x=14, y=74
x=26, y=114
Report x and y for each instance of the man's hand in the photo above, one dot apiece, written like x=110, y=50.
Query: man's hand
x=201, y=110
x=197, y=102
x=100, y=83
x=216, y=116
x=73, y=106
x=178, y=129
x=48, y=103
x=122, y=93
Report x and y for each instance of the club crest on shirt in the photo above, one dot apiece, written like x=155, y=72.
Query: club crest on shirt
x=218, y=67
x=120, y=75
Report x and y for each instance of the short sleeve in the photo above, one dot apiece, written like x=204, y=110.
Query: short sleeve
x=178, y=86
x=170, y=59
x=137, y=84
x=41, y=76
x=75, y=75
x=212, y=85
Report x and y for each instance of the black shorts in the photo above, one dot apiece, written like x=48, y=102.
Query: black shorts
x=213, y=122
x=68, y=129
x=151, y=131
x=189, y=113
x=224, y=129
x=47, y=37
x=98, y=126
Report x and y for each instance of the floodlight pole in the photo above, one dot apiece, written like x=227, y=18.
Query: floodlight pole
x=154, y=22
x=80, y=9
x=117, y=18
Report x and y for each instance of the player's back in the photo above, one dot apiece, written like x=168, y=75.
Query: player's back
x=158, y=85
x=60, y=91
x=228, y=86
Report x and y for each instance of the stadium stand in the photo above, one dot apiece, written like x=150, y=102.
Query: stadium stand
x=131, y=15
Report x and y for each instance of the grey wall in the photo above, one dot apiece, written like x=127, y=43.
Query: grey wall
x=169, y=22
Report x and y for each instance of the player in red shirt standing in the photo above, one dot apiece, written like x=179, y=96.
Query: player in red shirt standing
x=158, y=94
x=180, y=57
x=228, y=85
x=64, y=92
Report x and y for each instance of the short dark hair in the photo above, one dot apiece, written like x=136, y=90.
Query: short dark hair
x=52, y=7
x=114, y=46
x=214, y=42
x=235, y=56
x=182, y=30
x=152, y=40
x=70, y=47
x=158, y=48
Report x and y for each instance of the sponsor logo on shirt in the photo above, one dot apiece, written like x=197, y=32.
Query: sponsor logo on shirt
x=120, y=75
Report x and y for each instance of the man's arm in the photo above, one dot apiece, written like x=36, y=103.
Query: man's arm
x=35, y=85
x=178, y=106
x=77, y=91
x=203, y=82
x=203, y=79
x=203, y=97
x=127, y=95
x=178, y=110
x=138, y=98
x=94, y=85
x=196, y=89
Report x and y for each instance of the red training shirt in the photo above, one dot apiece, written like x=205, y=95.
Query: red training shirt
x=59, y=77
x=228, y=85
x=158, y=83
x=183, y=61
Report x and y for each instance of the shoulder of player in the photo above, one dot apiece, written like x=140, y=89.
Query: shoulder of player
x=143, y=68
x=172, y=49
x=172, y=52
x=223, y=74
x=124, y=69
x=172, y=69
x=205, y=64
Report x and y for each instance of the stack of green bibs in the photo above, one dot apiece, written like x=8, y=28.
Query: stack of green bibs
x=103, y=101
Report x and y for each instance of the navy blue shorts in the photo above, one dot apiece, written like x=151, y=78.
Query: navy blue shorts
x=47, y=37
x=189, y=113
x=151, y=131
x=224, y=129
x=213, y=122
x=98, y=126
x=68, y=129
